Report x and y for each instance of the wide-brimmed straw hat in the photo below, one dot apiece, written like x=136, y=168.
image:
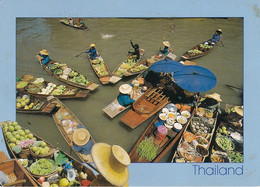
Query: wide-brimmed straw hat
x=215, y=96
x=166, y=43
x=92, y=45
x=125, y=89
x=81, y=136
x=44, y=52
x=219, y=30
x=111, y=162
x=239, y=110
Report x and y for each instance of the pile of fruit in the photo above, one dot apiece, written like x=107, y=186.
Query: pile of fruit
x=138, y=68
x=225, y=143
x=15, y=134
x=128, y=63
x=41, y=149
x=43, y=167
x=194, y=52
x=48, y=89
x=223, y=130
x=80, y=79
x=235, y=156
x=24, y=102
x=101, y=68
x=59, y=90
x=204, y=47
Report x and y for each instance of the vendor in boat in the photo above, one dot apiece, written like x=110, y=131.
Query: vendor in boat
x=211, y=102
x=185, y=99
x=124, y=98
x=216, y=37
x=71, y=22
x=45, y=57
x=81, y=140
x=92, y=51
x=136, y=50
x=165, y=51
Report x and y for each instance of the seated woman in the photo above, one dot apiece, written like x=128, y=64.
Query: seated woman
x=165, y=51
x=124, y=98
x=45, y=57
x=185, y=100
x=211, y=102
x=92, y=52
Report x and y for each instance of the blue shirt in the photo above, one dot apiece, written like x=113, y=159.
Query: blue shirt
x=92, y=53
x=45, y=59
x=124, y=99
x=165, y=50
x=215, y=38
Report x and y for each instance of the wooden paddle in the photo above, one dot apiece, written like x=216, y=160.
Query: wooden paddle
x=222, y=43
x=234, y=87
x=80, y=53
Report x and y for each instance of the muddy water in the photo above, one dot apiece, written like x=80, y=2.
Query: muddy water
x=111, y=37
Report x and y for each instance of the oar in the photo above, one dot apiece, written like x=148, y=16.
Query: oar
x=233, y=87
x=80, y=53
x=222, y=43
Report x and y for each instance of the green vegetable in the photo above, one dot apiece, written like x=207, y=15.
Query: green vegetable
x=235, y=156
x=43, y=167
x=225, y=143
x=147, y=150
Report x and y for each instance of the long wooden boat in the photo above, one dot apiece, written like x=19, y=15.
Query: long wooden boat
x=191, y=141
x=17, y=175
x=58, y=90
x=171, y=139
x=100, y=68
x=77, y=26
x=78, y=80
x=114, y=108
x=30, y=104
x=144, y=107
x=129, y=62
x=76, y=164
x=65, y=114
x=197, y=51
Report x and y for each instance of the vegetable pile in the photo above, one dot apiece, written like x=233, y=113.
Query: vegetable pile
x=146, y=149
x=225, y=143
x=42, y=167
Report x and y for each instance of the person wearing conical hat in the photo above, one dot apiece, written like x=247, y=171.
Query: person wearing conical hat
x=211, y=102
x=45, y=56
x=216, y=37
x=92, y=52
x=165, y=51
x=112, y=163
x=124, y=98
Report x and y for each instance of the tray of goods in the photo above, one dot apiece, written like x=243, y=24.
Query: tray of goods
x=41, y=150
x=187, y=151
x=224, y=143
x=235, y=156
x=43, y=168
x=219, y=156
x=200, y=127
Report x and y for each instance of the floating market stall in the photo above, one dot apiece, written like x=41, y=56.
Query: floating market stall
x=161, y=134
x=26, y=103
x=77, y=26
x=128, y=63
x=62, y=72
x=228, y=142
x=70, y=127
x=44, y=162
x=100, y=68
x=41, y=88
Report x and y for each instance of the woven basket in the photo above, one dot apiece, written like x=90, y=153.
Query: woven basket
x=24, y=153
x=48, y=155
x=27, y=78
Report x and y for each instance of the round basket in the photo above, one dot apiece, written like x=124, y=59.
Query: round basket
x=46, y=175
x=28, y=78
x=24, y=153
x=48, y=155
x=220, y=147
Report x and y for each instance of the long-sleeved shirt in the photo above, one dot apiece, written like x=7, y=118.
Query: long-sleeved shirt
x=45, y=59
x=92, y=53
x=215, y=38
x=165, y=50
x=124, y=99
x=136, y=52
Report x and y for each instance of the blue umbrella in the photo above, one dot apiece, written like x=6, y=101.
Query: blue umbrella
x=195, y=78
x=166, y=66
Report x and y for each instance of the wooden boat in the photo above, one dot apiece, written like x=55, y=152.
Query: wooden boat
x=76, y=164
x=17, y=175
x=78, y=80
x=58, y=90
x=114, y=108
x=197, y=52
x=187, y=149
x=164, y=146
x=144, y=107
x=77, y=26
x=129, y=62
x=32, y=104
x=67, y=130
x=101, y=69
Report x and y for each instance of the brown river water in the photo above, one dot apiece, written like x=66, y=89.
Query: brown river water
x=111, y=37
